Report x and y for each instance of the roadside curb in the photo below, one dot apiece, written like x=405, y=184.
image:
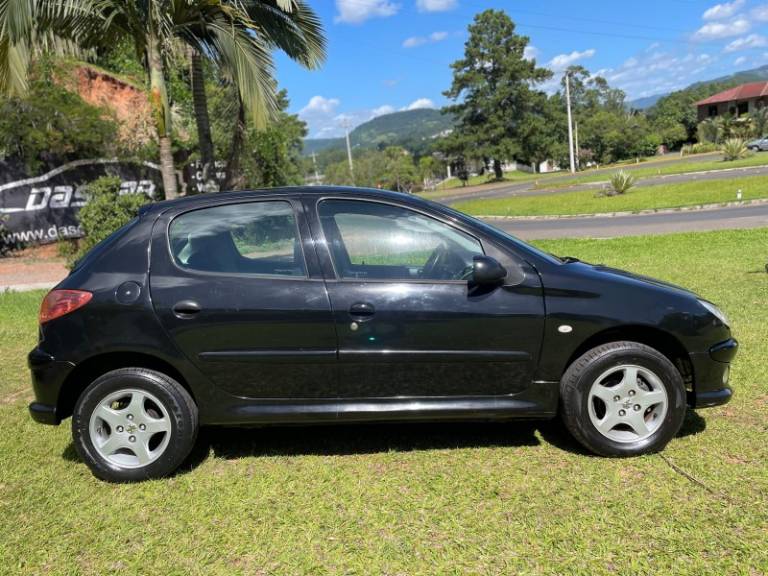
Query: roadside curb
x=597, y=183
x=694, y=208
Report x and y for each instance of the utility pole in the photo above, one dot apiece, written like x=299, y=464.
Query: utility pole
x=576, y=144
x=570, y=120
x=314, y=162
x=345, y=125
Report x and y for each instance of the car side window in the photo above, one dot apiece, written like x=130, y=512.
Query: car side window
x=370, y=240
x=247, y=238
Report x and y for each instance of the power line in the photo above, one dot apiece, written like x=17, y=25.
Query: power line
x=459, y=14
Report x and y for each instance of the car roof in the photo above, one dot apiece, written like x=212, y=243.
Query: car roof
x=222, y=197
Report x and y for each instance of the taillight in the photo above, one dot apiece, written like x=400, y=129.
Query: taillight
x=57, y=303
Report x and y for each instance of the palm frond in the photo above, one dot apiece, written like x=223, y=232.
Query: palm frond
x=249, y=62
x=28, y=27
x=14, y=62
x=298, y=32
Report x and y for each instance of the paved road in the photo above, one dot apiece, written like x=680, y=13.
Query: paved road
x=638, y=224
x=525, y=188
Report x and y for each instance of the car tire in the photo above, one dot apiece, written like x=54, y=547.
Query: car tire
x=134, y=424
x=623, y=399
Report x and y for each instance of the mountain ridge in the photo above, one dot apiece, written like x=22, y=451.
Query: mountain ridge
x=404, y=128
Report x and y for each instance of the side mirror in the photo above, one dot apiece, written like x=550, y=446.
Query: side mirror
x=487, y=270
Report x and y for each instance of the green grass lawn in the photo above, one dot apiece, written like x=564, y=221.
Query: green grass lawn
x=656, y=169
x=645, y=198
x=417, y=499
x=516, y=176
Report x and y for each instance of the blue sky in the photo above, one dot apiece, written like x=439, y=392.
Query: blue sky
x=387, y=55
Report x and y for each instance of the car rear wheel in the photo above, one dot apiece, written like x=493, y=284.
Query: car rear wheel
x=134, y=424
x=623, y=399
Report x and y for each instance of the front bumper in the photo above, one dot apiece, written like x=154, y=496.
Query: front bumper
x=48, y=376
x=711, y=372
x=44, y=414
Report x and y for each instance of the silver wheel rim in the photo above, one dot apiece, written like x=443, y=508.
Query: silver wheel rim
x=130, y=428
x=627, y=403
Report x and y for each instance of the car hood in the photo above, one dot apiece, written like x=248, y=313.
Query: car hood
x=610, y=272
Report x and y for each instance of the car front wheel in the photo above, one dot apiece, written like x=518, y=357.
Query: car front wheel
x=134, y=424
x=623, y=399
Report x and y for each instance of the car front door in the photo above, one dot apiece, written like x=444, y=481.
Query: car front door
x=244, y=299
x=408, y=321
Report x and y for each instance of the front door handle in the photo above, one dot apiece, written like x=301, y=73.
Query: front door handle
x=186, y=309
x=362, y=311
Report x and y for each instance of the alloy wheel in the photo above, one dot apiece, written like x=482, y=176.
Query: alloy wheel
x=130, y=428
x=627, y=403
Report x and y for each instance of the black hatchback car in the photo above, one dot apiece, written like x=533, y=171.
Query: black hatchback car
x=319, y=305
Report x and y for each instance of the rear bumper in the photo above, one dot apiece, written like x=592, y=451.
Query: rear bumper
x=48, y=376
x=711, y=373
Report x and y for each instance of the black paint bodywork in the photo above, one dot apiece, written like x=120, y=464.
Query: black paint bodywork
x=281, y=349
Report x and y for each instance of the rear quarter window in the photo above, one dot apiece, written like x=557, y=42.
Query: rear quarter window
x=248, y=238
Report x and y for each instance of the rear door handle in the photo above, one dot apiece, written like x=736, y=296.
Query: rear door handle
x=362, y=311
x=186, y=309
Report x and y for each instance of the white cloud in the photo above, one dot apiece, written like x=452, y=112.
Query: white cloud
x=760, y=13
x=324, y=119
x=751, y=41
x=320, y=104
x=319, y=115
x=435, y=5
x=654, y=72
x=415, y=41
x=381, y=110
x=420, y=103
x=740, y=60
x=718, y=30
x=530, y=52
x=722, y=11
x=562, y=61
x=356, y=11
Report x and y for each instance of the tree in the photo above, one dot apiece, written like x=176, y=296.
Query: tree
x=50, y=124
x=399, y=171
x=493, y=87
x=274, y=152
x=231, y=33
x=708, y=131
x=760, y=121
x=289, y=25
x=430, y=168
x=106, y=211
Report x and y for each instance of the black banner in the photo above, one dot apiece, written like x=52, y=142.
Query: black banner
x=41, y=209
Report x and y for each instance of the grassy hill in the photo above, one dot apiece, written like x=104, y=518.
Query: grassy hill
x=410, y=128
x=754, y=75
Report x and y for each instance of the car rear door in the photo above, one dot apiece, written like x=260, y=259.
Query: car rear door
x=404, y=331
x=238, y=288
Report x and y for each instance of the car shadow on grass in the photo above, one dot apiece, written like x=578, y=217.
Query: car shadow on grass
x=360, y=439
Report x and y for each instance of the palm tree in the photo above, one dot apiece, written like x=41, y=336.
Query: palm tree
x=760, y=121
x=225, y=31
x=288, y=25
x=725, y=126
